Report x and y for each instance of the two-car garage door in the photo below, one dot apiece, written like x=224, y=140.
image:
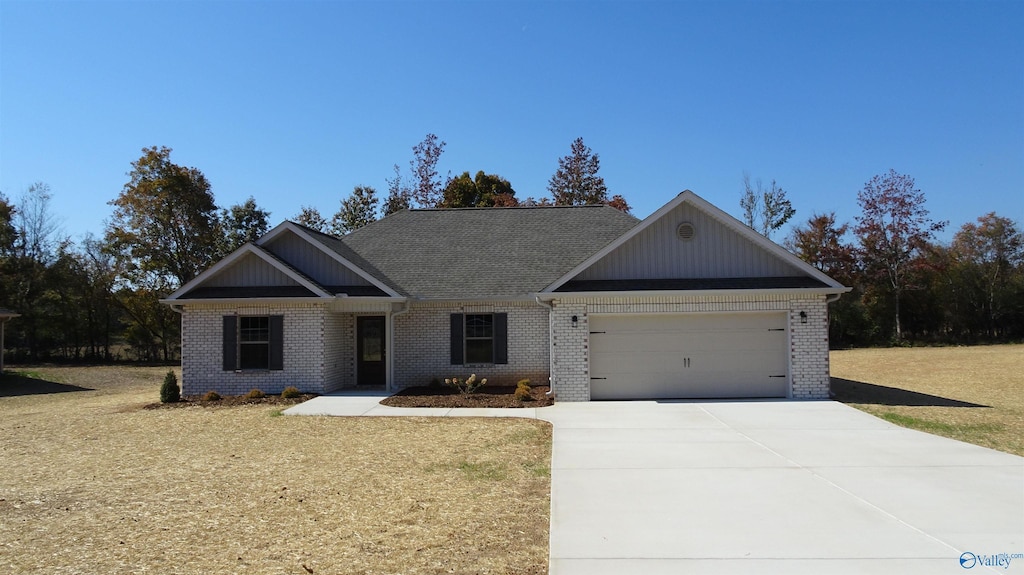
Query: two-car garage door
x=709, y=355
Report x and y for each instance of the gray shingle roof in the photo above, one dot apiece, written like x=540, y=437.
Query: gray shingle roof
x=484, y=253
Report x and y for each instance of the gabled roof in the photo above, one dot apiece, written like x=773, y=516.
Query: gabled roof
x=312, y=289
x=336, y=249
x=484, y=253
x=813, y=278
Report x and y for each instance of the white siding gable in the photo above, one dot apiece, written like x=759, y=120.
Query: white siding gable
x=250, y=271
x=715, y=251
x=313, y=261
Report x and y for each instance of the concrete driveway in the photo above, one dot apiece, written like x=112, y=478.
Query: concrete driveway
x=773, y=487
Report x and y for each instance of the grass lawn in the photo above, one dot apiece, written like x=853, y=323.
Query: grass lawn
x=974, y=394
x=94, y=483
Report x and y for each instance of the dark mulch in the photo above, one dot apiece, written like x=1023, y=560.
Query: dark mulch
x=487, y=396
x=232, y=401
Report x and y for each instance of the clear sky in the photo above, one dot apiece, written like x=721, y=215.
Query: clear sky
x=295, y=103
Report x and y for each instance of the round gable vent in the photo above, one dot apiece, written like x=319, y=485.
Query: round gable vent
x=685, y=231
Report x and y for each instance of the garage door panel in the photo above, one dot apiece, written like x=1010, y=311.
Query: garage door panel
x=688, y=356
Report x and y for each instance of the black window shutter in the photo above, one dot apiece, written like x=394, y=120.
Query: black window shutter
x=458, y=326
x=501, y=338
x=277, y=342
x=230, y=343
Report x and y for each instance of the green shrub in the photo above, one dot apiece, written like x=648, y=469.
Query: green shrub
x=435, y=382
x=468, y=385
x=211, y=396
x=255, y=394
x=291, y=392
x=169, y=391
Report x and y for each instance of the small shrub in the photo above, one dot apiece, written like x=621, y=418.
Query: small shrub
x=211, y=396
x=291, y=392
x=466, y=386
x=169, y=391
x=523, y=390
x=434, y=382
x=255, y=394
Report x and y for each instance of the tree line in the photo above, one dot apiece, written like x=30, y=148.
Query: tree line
x=98, y=299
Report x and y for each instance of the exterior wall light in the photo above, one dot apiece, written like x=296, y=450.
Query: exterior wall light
x=803, y=317
x=575, y=321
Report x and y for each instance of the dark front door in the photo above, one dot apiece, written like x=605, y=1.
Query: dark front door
x=370, y=354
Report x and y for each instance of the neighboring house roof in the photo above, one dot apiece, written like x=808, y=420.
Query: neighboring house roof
x=7, y=314
x=485, y=253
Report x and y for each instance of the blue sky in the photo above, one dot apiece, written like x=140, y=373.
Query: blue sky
x=295, y=103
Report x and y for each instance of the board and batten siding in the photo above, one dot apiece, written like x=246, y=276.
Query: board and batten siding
x=314, y=262
x=250, y=271
x=658, y=253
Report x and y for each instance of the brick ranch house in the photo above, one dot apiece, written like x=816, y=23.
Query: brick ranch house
x=688, y=303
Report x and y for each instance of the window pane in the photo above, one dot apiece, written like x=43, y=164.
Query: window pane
x=479, y=351
x=254, y=355
x=479, y=325
x=254, y=329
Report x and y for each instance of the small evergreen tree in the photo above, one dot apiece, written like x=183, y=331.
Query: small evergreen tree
x=169, y=392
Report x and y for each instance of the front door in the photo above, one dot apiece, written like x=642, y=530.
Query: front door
x=370, y=353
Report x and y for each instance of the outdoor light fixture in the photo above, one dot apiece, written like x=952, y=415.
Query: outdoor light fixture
x=803, y=317
x=575, y=320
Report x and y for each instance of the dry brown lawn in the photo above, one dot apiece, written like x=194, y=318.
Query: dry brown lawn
x=92, y=483
x=974, y=394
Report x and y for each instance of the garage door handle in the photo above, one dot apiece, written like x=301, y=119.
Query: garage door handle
x=598, y=378
x=776, y=376
x=593, y=332
x=776, y=329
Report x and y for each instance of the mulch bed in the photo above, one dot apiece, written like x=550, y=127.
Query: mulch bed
x=487, y=396
x=232, y=401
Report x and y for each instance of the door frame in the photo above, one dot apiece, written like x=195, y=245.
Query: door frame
x=385, y=341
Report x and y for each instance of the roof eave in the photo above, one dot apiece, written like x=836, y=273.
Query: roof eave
x=550, y=296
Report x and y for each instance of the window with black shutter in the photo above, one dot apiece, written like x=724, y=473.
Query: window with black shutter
x=479, y=338
x=253, y=342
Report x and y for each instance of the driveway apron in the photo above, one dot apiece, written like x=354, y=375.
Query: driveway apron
x=772, y=487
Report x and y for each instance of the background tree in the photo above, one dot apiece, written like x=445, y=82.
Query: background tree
x=8, y=233
x=427, y=186
x=765, y=208
x=243, y=223
x=37, y=227
x=165, y=228
x=481, y=191
x=575, y=182
x=987, y=256
x=820, y=242
x=357, y=210
x=894, y=231
x=399, y=194
x=311, y=218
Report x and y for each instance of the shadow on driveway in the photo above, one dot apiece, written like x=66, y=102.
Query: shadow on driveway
x=13, y=385
x=848, y=391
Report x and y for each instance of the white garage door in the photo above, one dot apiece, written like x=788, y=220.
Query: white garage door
x=688, y=356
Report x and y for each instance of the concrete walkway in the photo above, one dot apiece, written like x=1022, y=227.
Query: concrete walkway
x=758, y=487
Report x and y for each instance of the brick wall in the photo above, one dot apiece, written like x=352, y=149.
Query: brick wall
x=809, y=369
x=339, y=356
x=422, y=345
x=202, y=350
